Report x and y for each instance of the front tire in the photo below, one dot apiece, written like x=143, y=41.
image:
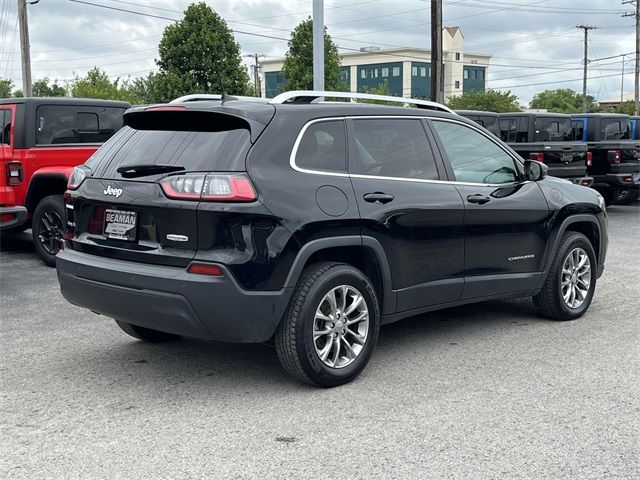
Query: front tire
x=331, y=325
x=146, y=334
x=569, y=287
x=48, y=227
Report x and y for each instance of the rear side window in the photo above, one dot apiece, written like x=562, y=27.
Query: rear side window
x=195, y=151
x=393, y=148
x=578, y=129
x=60, y=124
x=552, y=129
x=5, y=127
x=616, y=130
x=323, y=147
x=508, y=129
x=474, y=157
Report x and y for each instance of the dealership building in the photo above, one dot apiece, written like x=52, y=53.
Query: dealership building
x=407, y=70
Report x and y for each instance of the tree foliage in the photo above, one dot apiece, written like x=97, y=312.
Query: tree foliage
x=191, y=51
x=562, y=100
x=489, y=100
x=627, y=108
x=298, y=61
x=97, y=84
x=42, y=88
x=6, y=87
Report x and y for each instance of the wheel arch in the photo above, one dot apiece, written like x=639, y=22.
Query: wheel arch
x=364, y=253
x=42, y=185
x=586, y=224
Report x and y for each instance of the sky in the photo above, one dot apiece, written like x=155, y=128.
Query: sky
x=534, y=43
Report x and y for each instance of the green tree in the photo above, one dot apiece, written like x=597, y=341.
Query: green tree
x=490, y=101
x=381, y=89
x=562, y=100
x=298, y=61
x=96, y=84
x=41, y=88
x=192, y=50
x=627, y=108
x=6, y=86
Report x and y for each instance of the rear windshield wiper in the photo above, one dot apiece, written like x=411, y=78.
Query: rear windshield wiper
x=132, y=171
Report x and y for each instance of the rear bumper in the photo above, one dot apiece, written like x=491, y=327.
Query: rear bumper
x=18, y=217
x=169, y=299
x=630, y=180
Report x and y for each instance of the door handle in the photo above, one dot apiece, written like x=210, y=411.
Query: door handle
x=481, y=199
x=378, y=197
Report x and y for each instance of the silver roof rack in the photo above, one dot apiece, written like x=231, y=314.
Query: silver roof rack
x=316, y=96
x=207, y=97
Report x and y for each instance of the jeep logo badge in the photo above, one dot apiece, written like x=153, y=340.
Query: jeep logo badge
x=116, y=192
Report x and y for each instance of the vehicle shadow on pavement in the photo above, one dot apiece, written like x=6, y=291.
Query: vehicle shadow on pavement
x=16, y=242
x=208, y=366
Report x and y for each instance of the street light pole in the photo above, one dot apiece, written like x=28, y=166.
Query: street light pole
x=25, y=49
x=318, y=45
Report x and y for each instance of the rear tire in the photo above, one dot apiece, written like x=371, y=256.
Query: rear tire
x=569, y=287
x=48, y=227
x=626, y=196
x=146, y=334
x=330, y=327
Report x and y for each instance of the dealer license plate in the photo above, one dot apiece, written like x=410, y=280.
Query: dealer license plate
x=120, y=224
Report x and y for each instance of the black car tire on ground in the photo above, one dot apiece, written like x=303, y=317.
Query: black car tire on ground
x=294, y=339
x=550, y=301
x=48, y=226
x=146, y=334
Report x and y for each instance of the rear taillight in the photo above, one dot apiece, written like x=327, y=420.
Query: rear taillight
x=589, y=159
x=214, y=187
x=205, y=269
x=613, y=156
x=14, y=173
x=537, y=156
x=79, y=174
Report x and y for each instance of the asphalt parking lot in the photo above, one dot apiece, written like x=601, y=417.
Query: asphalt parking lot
x=482, y=391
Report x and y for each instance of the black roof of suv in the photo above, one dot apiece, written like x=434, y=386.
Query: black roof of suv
x=314, y=223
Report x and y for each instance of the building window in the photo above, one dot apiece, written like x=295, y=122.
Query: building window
x=457, y=83
x=457, y=55
x=423, y=71
x=374, y=73
x=466, y=74
x=395, y=71
x=363, y=73
x=414, y=71
x=480, y=74
x=385, y=71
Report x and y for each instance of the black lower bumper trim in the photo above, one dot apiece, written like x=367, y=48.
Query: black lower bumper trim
x=19, y=215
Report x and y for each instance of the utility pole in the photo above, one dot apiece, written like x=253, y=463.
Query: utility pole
x=256, y=72
x=25, y=52
x=622, y=84
x=436, y=51
x=586, y=29
x=318, y=45
x=636, y=14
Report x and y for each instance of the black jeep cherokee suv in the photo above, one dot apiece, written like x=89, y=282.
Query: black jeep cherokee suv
x=312, y=224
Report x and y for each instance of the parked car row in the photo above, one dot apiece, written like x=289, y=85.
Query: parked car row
x=600, y=150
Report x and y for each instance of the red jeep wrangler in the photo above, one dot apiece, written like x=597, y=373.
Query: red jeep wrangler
x=41, y=140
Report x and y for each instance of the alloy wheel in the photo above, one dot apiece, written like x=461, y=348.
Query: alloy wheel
x=341, y=326
x=576, y=277
x=51, y=231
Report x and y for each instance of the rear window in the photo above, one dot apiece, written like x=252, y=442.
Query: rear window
x=552, y=129
x=60, y=124
x=195, y=151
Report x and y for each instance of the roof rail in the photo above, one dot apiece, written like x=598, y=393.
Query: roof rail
x=207, y=97
x=315, y=96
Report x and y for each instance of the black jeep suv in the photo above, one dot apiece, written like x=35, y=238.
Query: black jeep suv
x=312, y=224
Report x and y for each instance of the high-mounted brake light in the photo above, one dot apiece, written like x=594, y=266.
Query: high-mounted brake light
x=206, y=269
x=14, y=173
x=613, y=156
x=589, y=159
x=166, y=107
x=214, y=187
x=79, y=174
x=537, y=156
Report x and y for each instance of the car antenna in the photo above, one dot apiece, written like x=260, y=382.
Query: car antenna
x=223, y=97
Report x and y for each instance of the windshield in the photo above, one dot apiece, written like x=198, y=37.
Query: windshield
x=553, y=129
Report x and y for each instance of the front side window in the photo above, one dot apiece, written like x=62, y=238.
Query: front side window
x=393, y=148
x=474, y=157
x=323, y=147
x=5, y=127
x=60, y=124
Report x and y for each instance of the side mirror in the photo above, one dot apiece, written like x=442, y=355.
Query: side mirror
x=535, y=171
